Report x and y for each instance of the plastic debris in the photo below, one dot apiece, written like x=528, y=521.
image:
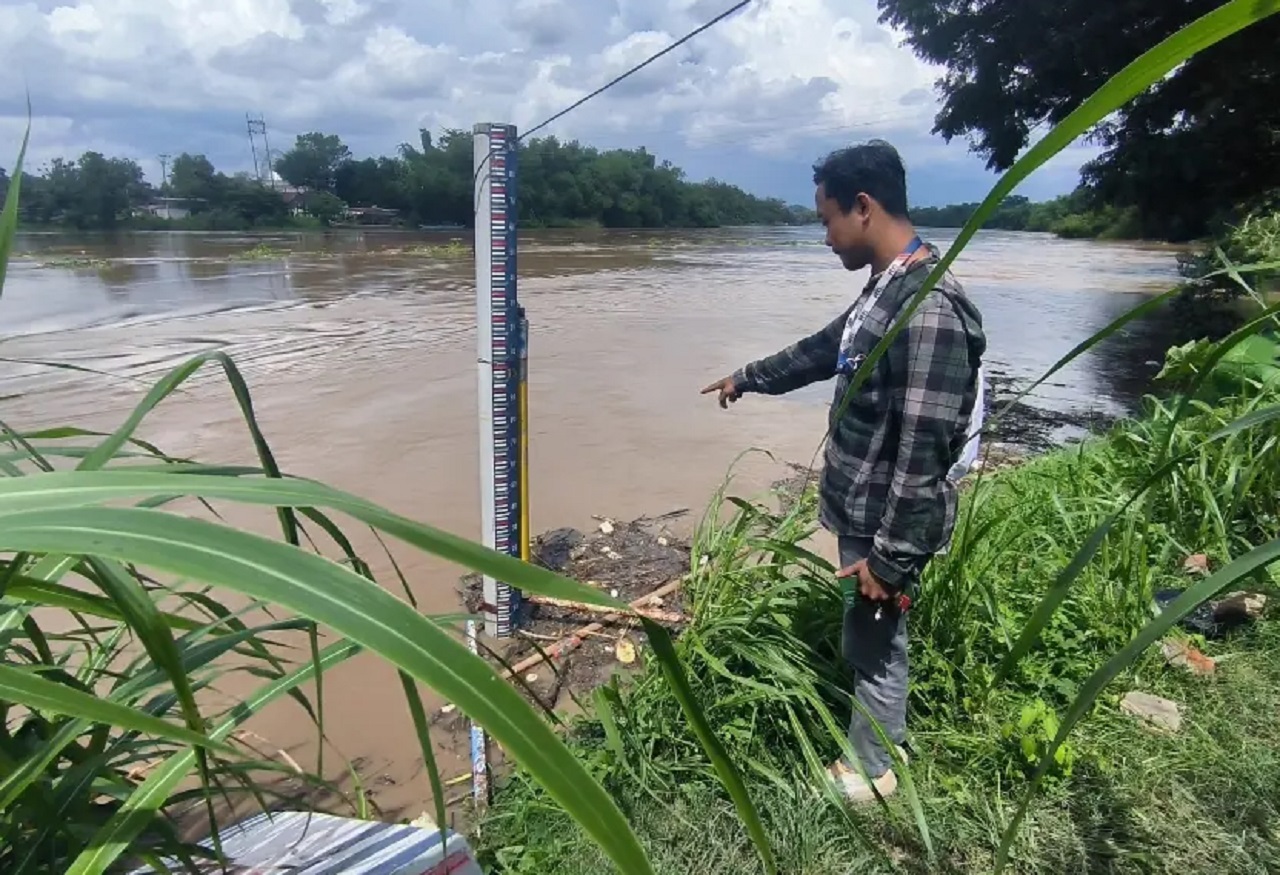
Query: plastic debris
x=1216, y=618
x=625, y=651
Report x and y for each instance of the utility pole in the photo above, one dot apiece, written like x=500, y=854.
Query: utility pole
x=261, y=169
x=164, y=169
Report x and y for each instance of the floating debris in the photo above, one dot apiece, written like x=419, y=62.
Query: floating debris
x=261, y=252
x=76, y=262
x=452, y=249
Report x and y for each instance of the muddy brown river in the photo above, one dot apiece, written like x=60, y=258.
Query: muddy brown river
x=360, y=352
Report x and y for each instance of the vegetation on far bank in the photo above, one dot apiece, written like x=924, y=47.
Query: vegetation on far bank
x=430, y=183
x=1073, y=216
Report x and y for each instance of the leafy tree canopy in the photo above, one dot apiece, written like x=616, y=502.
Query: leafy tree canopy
x=1185, y=154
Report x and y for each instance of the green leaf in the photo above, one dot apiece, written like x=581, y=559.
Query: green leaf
x=1221, y=350
x=358, y=609
x=9, y=215
x=165, y=387
x=32, y=691
x=67, y=489
x=423, y=727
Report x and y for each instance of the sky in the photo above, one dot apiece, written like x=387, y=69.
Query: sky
x=753, y=101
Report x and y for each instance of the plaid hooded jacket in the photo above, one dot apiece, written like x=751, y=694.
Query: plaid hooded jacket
x=888, y=455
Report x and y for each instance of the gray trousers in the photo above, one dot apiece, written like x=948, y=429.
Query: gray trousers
x=876, y=652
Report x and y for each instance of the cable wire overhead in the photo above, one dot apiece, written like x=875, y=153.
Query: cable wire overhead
x=638, y=67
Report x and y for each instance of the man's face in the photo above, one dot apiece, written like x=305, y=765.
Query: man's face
x=846, y=232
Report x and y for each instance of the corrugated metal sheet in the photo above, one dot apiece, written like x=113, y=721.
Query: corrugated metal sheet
x=300, y=843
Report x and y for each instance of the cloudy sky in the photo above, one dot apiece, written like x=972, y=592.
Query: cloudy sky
x=753, y=101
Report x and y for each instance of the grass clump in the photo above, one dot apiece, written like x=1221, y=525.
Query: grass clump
x=261, y=252
x=761, y=655
x=452, y=249
x=75, y=262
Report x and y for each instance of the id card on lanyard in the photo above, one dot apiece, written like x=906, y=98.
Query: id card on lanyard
x=845, y=364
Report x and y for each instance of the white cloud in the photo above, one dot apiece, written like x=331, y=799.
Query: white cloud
x=147, y=76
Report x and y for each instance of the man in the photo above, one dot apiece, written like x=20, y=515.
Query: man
x=892, y=453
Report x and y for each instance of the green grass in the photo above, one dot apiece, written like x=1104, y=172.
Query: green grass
x=1203, y=802
x=761, y=656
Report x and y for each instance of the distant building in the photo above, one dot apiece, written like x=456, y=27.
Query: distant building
x=294, y=197
x=169, y=207
x=372, y=215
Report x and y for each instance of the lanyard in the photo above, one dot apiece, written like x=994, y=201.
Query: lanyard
x=858, y=315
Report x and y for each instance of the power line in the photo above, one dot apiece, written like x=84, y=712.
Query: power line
x=638, y=67
x=603, y=88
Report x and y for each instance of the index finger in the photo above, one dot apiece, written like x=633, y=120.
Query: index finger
x=714, y=387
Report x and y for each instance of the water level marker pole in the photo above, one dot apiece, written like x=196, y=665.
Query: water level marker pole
x=497, y=354
x=497, y=357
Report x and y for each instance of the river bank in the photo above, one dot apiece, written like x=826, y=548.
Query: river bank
x=1120, y=794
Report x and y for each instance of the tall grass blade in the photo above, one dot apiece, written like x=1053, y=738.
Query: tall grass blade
x=67, y=489
x=164, y=388
x=660, y=641
x=358, y=609
x=1250, y=329
x=423, y=728
x=9, y=215
x=33, y=691
x=1058, y=591
x=1192, y=598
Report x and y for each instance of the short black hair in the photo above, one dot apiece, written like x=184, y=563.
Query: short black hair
x=873, y=168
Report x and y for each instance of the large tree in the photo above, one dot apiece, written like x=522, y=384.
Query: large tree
x=314, y=161
x=1201, y=142
x=194, y=176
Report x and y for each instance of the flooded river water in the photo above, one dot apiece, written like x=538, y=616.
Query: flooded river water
x=360, y=352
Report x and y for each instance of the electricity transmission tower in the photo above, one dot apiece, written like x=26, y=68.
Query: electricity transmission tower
x=261, y=164
x=164, y=169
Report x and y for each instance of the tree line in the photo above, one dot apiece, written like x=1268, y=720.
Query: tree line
x=560, y=184
x=1075, y=215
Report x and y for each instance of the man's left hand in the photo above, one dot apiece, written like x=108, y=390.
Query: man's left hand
x=869, y=585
